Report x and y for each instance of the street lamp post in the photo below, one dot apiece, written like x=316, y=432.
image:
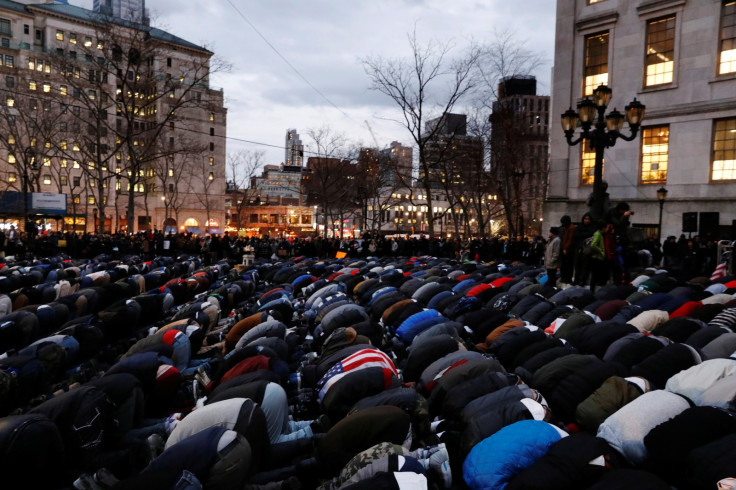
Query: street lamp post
x=601, y=132
x=30, y=160
x=519, y=178
x=661, y=195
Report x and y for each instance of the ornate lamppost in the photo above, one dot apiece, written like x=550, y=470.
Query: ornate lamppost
x=601, y=131
x=661, y=195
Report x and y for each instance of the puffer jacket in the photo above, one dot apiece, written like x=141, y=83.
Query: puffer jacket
x=495, y=460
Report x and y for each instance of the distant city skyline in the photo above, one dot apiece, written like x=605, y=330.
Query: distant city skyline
x=324, y=41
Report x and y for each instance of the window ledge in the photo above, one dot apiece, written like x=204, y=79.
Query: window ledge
x=658, y=88
x=723, y=78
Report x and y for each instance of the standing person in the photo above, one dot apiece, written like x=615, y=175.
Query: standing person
x=583, y=232
x=606, y=201
x=567, y=259
x=552, y=255
x=620, y=217
x=671, y=253
x=599, y=263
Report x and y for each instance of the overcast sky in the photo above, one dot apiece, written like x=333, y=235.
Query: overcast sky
x=324, y=41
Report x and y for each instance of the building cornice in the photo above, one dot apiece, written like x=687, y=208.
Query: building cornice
x=603, y=19
x=654, y=6
x=720, y=105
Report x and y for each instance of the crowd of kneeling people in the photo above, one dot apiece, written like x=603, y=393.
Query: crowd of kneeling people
x=395, y=372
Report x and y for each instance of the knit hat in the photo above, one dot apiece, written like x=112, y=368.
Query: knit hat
x=168, y=379
x=170, y=336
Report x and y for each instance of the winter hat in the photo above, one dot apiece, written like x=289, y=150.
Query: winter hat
x=171, y=335
x=167, y=379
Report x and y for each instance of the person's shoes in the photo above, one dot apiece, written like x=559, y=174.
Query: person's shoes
x=105, y=478
x=426, y=452
x=291, y=483
x=439, y=464
x=203, y=379
x=172, y=422
x=435, y=426
x=156, y=445
x=321, y=424
x=86, y=482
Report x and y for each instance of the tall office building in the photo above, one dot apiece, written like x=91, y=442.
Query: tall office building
x=453, y=157
x=519, y=150
x=293, y=149
x=134, y=10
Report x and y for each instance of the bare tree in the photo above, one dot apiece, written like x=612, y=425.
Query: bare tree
x=242, y=166
x=426, y=86
x=206, y=178
x=29, y=126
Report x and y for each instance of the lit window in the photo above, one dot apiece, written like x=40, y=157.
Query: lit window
x=212, y=118
x=91, y=94
x=63, y=163
x=62, y=89
x=724, y=150
x=59, y=35
x=75, y=147
x=587, y=164
x=654, y=154
x=91, y=165
x=31, y=85
x=73, y=37
x=100, y=46
x=9, y=101
x=47, y=179
x=212, y=161
x=12, y=178
x=11, y=158
x=596, y=62
x=63, y=179
x=211, y=176
x=87, y=42
x=31, y=64
x=91, y=199
x=171, y=172
x=47, y=87
x=660, y=64
x=75, y=198
x=727, y=63
x=46, y=162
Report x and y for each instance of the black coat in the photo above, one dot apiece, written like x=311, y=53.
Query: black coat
x=566, y=466
x=670, y=443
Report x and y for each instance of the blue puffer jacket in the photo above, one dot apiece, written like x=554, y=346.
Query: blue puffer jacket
x=496, y=459
x=417, y=323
